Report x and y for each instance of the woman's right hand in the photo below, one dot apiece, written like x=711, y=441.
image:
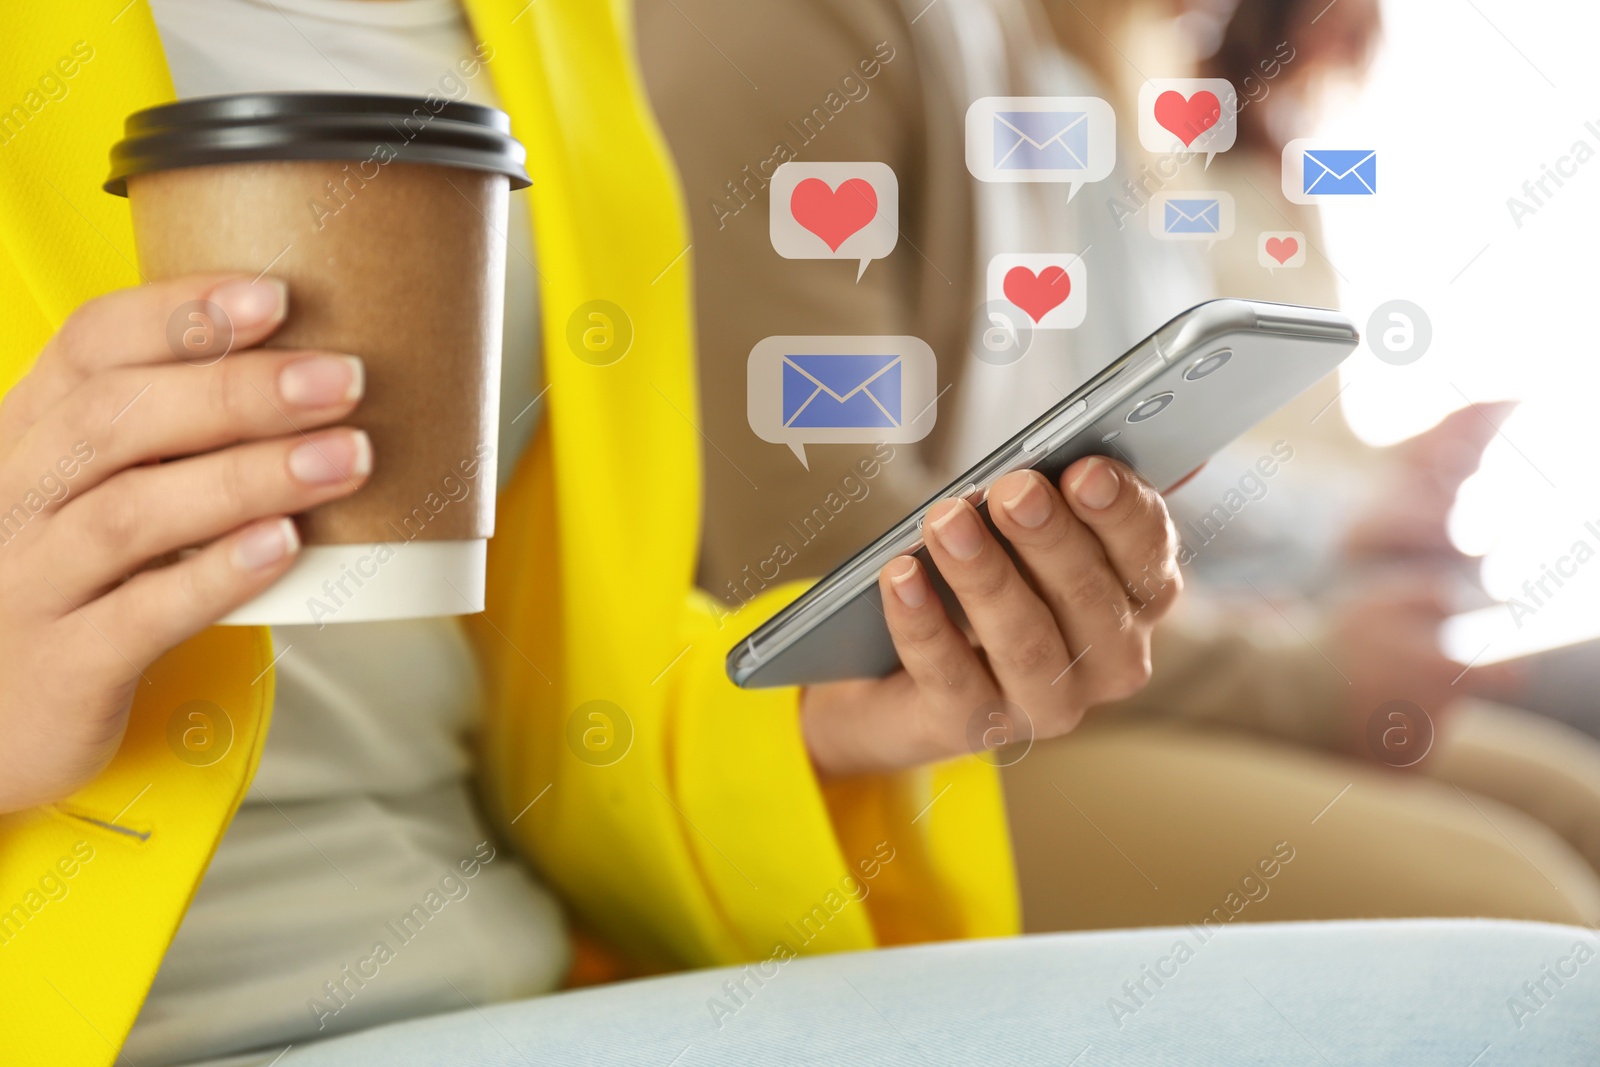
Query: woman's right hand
x=115, y=452
x=1094, y=567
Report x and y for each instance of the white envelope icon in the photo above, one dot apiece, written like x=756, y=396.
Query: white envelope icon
x=1341, y=172
x=1313, y=173
x=1193, y=216
x=1067, y=139
x=1041, y=140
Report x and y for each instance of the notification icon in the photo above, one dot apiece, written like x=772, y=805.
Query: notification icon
x=1050, y=288
x=841, y=390
x=835, y=211
x=1281, y=248
x=1070, y=139
x=1312, y=172
x=1188, y=114
x=1203, y=216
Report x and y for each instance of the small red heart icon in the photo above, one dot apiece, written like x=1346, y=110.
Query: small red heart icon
x=1038, y=293
x=1282, y=249
x=833, y=215
x=1187, y=119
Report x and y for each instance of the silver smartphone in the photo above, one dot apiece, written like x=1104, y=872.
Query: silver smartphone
x=1181, y=395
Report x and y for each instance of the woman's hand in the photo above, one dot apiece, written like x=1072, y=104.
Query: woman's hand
x=1385, y=636
x=86, y=504
x=1068, y=630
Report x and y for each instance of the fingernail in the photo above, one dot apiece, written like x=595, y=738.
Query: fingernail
x=322, y=380
x=909, y=585
x=332, y=458
x=254, y=303
x=265, y=544
x=1096, y=484
x=957, y=530
x=1030, y=507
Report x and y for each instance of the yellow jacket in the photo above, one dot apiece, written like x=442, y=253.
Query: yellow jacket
x=709, y=841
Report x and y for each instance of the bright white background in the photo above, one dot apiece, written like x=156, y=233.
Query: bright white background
x=1469, y=99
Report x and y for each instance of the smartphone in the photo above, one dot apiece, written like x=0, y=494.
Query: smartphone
x=1163, y=408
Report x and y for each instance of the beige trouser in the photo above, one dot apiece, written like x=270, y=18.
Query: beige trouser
x=1137, y=825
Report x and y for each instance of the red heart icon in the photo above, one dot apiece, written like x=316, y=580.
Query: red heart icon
x=1187, y=119
x=833, y=215
x=1038, y=293
x=1282, y=249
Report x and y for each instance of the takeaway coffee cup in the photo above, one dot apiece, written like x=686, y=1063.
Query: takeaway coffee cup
x=386, y=216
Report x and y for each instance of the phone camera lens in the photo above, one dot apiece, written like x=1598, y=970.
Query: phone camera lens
x=1210, y=363
x=1150, y=407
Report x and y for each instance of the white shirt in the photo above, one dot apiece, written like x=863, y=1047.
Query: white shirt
x=361, y=812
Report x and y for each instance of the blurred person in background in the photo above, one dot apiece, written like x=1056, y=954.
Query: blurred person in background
x=1336, y=583
x=1350, y=540
x=1141, y=798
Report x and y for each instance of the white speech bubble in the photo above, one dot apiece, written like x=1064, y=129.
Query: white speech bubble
x=835, y=211
x=1281, y=248
x=1045, y=304
x=1189, y=219
x=841, y=390
x=1176, y=115
x=1013, y=139
x=1317, y=171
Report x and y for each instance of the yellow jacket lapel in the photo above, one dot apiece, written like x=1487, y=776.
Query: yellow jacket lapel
x=69, y=75
x=93, y=888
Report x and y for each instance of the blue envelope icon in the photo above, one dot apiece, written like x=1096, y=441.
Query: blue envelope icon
x=846, y=391
x=1340, y=172
x=1041, y=140
x=1202, y=215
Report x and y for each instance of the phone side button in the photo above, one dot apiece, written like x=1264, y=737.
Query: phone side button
x=1054, y=426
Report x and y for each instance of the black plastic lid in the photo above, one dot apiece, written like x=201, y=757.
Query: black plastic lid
x=251, y=127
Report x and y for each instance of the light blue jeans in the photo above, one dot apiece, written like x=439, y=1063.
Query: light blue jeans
x=1458, y=993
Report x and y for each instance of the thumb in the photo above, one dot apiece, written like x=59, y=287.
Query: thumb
x=1453, y=448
